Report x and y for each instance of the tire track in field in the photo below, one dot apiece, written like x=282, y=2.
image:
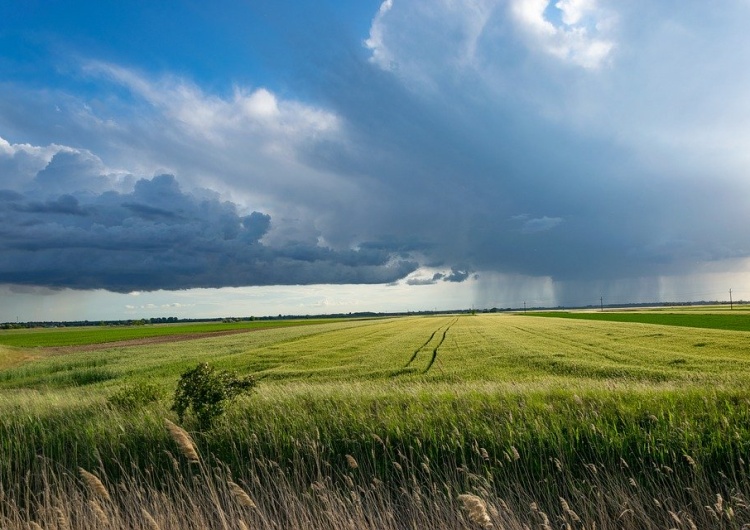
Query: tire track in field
x=416, y=352
x=435, y=350
x=423, y=346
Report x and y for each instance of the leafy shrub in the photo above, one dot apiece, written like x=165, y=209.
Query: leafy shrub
x=207, y=392
x=134, y=396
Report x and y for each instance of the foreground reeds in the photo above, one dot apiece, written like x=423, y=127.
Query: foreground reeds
x=312, y=492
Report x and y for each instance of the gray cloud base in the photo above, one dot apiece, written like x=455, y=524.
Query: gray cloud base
x=158, y=237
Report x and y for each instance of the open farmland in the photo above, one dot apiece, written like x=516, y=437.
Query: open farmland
x=738, y=320
x=514, y=409
x=55, y=337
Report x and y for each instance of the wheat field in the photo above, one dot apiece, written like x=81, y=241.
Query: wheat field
x=456, y=422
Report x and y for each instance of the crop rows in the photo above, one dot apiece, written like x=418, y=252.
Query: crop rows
x=608, y=416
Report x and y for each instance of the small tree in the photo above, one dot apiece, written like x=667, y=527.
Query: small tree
x=207, y=392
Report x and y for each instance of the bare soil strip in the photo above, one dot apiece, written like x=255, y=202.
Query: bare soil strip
x=160, y=339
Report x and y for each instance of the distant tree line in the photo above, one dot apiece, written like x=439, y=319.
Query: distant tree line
x=360, y=314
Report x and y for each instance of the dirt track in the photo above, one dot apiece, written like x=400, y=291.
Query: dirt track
x=161, y=339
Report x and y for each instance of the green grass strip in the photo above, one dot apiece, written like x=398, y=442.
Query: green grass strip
x=103, y=334
x=736, y=322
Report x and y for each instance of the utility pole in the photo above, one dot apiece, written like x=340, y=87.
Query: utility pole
x=524, y=307
x=730, y=299
x=601, y=303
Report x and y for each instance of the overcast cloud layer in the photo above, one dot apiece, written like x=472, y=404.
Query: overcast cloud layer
x=583, y=143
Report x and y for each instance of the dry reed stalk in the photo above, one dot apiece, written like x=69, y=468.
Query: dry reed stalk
x=545, y=520
x=34, y=526
x=477, y=509
x=62, y=519
x=183, y=441
x=99, y=512
x=713, y=513
x=94, y=484
x=242, y=526
x=150, y=521
x=719, y=503
x=241, y=495
x=570, y=513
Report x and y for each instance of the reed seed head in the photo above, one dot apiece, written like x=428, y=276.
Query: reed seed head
x=62, y=519
x=99, y=512
x=241, y=495
x=183, y=441
x=94, y=484
x=719, y=503
x=476, y=509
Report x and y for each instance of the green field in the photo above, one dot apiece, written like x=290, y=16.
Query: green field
x=54, y=337
x=736, y=321
x=608, y=415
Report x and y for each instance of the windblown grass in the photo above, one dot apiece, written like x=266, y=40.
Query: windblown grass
x=517, y=423
x=316, y=490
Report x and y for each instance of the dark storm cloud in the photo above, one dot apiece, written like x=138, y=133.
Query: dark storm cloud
x=65, y=204
x=146, y=211
x=489, y=136
x=158, y=237
x=502, y=153
x=9, y=195
x=456, y=276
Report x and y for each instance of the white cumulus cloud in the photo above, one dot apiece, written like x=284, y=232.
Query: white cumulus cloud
x=580, y=37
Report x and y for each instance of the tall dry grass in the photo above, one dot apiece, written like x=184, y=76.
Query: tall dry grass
x=315, y=491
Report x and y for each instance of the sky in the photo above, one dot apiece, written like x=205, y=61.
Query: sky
x=238, y=158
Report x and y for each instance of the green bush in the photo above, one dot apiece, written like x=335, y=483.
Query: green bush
x=207, y=392
x=134, y=396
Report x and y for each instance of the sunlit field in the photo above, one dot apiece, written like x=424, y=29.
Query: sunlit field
x=466, y=421
x=76, y=336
